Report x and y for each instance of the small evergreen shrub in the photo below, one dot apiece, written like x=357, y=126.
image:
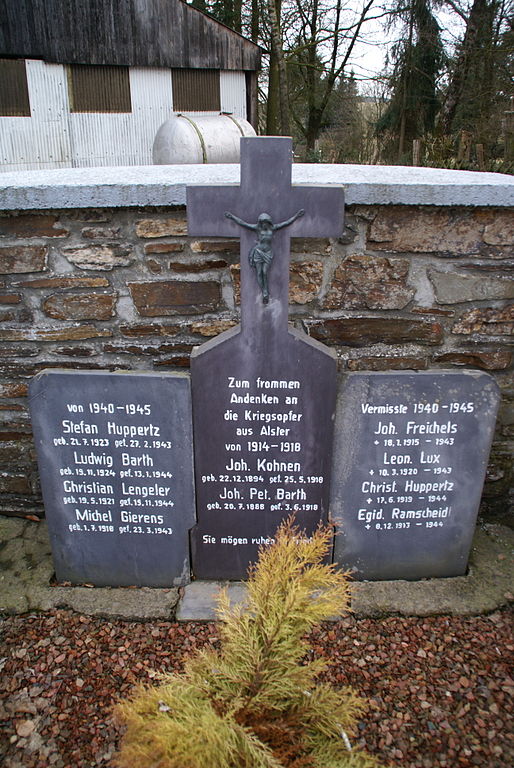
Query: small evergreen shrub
x=255, y=703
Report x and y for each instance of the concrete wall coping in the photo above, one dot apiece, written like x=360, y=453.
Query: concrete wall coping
x=164, y=185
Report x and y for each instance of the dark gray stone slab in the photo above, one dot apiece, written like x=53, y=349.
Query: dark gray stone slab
x=410, y=457
x=116, y=467
x=263, y=396
x=263, y=435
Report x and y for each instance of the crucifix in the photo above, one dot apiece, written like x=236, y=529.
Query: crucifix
x=263, y=393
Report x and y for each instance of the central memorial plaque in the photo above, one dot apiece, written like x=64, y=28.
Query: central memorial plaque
x=263, y=394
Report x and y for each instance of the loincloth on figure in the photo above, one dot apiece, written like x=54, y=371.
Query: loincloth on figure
x=258, y=256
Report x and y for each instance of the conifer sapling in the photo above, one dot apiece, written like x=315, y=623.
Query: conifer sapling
x=256, y=702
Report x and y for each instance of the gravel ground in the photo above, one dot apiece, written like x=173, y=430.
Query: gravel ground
x=440, y=686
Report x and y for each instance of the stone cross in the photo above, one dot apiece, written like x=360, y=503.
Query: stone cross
x=263, y=394
x=265, y=188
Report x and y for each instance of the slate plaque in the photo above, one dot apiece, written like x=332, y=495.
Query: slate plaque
x=263, y=395
x=409, y=465
x=116, y=467
x=263, y=434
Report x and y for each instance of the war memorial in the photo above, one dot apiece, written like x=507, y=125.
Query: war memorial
x=347, y=331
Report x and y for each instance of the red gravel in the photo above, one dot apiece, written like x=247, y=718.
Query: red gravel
x=440, y=685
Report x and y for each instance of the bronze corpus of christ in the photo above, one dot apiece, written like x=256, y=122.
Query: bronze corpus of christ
x=261, y=254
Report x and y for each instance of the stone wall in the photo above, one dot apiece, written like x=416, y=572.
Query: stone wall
x=406, y=287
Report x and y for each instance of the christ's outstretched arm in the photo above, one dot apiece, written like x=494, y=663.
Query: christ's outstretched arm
x=286, y=223
x=240, y=221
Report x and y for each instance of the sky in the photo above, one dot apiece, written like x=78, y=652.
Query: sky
x=370, y=56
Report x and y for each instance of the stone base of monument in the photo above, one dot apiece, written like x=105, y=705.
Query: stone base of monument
x=26, y=570
x=488, y=585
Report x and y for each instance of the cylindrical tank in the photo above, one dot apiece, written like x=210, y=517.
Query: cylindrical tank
x=200, y=139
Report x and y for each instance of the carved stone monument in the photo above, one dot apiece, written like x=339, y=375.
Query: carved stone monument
x=116, y=467
x=410, y=457
x=263, y=394
x=115, y=451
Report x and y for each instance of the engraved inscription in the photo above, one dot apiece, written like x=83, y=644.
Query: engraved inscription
x=132, y=461
x=115, y=476
x=271, y=476
x=263, y=395
x=402, y=456
x=414, y=465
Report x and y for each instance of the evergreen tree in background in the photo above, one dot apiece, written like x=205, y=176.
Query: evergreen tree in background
x=229, y=12
x=481, y=74
x=417, y=61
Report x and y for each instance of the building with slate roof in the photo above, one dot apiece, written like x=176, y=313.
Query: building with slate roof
x=89, y=82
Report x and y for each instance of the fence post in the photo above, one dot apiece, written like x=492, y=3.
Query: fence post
x=480, y=157
x=416, y=151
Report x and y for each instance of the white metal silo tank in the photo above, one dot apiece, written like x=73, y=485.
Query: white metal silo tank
x=200, y=139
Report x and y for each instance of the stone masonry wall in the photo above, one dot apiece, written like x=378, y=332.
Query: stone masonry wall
x=406, y=287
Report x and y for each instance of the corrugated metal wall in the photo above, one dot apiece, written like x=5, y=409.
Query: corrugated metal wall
x=42, y=140
x=233, y=93
x=196, y=90
x=54, y=137
x=124, y=138
x=99, y=89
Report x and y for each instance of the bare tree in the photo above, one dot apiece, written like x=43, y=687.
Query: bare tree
x=320, y=49
x=309, y=43
x=277, y=117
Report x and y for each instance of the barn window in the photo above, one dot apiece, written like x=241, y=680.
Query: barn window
x=196, y=90
x=99, y=89
x=14, y=90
